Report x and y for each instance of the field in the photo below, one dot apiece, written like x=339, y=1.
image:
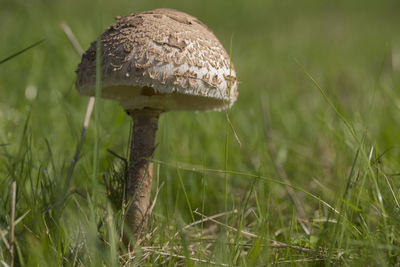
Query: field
x=306, y=173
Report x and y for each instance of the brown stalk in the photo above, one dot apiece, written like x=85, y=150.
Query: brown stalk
x=140, y=173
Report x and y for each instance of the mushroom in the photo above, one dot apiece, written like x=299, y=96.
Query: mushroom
x=153, y=62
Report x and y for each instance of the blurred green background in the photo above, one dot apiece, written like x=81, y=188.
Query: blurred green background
x=350, y=48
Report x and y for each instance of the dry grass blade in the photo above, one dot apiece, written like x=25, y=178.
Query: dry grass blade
x=202, y=220
x=274, y=243
x=89, y=109
x=71, y=37
x=245, y=233
x=163, y=253
x=277, y=244
x=233, y=129
x=153, y=204
x=12, y=228
x=4, y=240
x=205, y=218
x=298, y=261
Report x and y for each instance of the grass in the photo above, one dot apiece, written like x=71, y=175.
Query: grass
x=318, y=105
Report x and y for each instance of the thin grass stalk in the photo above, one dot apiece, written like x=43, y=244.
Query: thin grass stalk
x=21, y=51
x=12, y=225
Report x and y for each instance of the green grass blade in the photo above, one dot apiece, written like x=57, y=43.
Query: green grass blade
x=185, y=193
x=21, y=51
x=327, y=99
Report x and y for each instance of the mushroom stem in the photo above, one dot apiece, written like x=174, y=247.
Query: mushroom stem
x=140, y=171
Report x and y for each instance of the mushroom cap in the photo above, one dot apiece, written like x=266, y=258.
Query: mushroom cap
x=161, y=59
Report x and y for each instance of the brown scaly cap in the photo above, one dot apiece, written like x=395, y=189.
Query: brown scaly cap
x=163, y=59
